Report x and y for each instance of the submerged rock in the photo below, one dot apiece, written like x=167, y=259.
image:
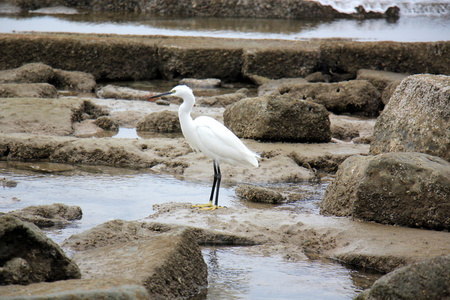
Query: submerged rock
x=278, y=118
x=259, y=194
x=417, y=118
x=29, y=256
x=408, y=189
x=428, y=279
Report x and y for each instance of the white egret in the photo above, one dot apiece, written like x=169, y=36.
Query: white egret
x=212, y=138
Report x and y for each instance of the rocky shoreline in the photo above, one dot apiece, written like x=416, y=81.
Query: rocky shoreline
x=372, y=127
x=286, y=9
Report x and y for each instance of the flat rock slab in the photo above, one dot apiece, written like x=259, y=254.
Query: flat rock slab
x=281, y=162
x=169, y=265
x=38, y=116
x=77, y=289
x=292, y=234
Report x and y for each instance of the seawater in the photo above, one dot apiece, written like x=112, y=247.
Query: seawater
x=429, y=23
x=106, y=193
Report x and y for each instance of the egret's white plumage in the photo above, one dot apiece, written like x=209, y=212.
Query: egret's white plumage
x=211, y=137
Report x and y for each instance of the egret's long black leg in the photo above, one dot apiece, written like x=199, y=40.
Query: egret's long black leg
x=217, y=178
x=214, y=182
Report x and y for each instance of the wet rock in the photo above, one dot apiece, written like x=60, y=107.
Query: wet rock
x=74, y=80
x=271, y=86
x=41, y=167
x=119, y=92
x=106, y=123
x=28, y=73
x=78, y=289
x=327, y=163
x=384, y=81
x=428, y=279
x=259, y=194
x=5, y=182
x=408, y=189
x=207, y=83
x=164, y=121
x=356, y=96
x=120, y=231
x=278, y=119
x=56, y=214
x=169, y=265
x=221, y=100
x=26, y=90
x=28, y=256
x=416, y=118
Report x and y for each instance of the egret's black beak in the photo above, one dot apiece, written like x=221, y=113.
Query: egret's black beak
x=153, y=98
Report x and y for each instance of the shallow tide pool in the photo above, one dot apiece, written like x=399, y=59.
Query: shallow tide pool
x=106, y=193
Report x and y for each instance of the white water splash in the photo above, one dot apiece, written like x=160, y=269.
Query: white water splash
x=407, y=7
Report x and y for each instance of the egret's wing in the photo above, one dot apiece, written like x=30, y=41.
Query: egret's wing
x=218, y=141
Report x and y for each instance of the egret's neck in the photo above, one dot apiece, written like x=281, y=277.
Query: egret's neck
x=184, y=112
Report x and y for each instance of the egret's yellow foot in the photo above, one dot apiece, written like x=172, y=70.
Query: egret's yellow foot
x=207, y=206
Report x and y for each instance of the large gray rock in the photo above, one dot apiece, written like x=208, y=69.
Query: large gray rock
x=170, y=265
x=28, y=73
x=417, y=118
x=35, y=90
x=355, y=96
x=28, y=256
x=428, y=279
x=278, y=118
x=409, y=189
x=77, y=289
